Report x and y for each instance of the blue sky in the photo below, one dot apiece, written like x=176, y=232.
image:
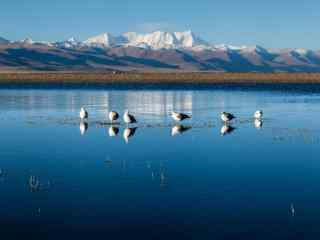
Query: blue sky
x=270, y=23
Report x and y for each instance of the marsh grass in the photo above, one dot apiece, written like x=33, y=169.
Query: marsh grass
x=159, y=78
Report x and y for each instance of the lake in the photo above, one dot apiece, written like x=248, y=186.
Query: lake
x=63, y=179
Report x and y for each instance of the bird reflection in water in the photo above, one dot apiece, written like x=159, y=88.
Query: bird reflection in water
x=163, y=179
x=128, y=133
x=163, y=176
x=113, y=131
x=83, y=127
x=258, y=123
x=34, y=184
x=38, y=213
x=226, y=129
x=293, y=211
x=179, y=129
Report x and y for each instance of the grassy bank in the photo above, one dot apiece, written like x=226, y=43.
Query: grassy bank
x=153, y=78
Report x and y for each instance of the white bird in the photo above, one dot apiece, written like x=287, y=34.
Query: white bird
x=258, y=114
x=179, y=129
x=258, y=123
x=113, y=116
x=128, y=118
x=226, y=129
x=226, y=117
x=113, y=131
x=179, y=116
x=83, y=113
x=83, y=127
x=128, y=133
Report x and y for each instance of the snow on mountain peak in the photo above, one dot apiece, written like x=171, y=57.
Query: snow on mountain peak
x=225, y=47
x=155, y=40
x=301, y=51
x=188, y=39
x=27, y=41
x=72, y=40
x=103, y=40
x=185, y=40
x=70, y=43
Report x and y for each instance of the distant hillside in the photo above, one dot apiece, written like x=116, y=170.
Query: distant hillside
x=3, y=41
x=159, y=51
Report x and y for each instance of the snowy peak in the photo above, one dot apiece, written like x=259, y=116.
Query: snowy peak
x=225, y=47
x=185, y=41
x=27, y=41
x=188, y=39
x=72, y=40
x=70, y=43
x=301, y=51
x=102, y=40
x=155, y=40
x=136, y=51
x=165, y=40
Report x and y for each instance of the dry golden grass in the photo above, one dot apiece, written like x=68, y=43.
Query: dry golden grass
x=156, y=77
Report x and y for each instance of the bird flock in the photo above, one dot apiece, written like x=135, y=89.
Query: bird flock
x=130, y=119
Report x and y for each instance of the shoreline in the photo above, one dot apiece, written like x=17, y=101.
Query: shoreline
x=195, y=78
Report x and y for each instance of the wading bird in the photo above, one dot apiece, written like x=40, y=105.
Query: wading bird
x=83, y=113
x=227, y=117
x=113, y=116
x=128, y=118
x=179, y=116
x=258, y=114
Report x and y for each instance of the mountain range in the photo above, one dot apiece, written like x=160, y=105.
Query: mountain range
x=156, y=51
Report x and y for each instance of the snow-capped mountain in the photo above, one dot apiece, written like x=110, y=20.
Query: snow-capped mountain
x=188, y=39
x=102, y=40
x=27, y=41
x=156, y=40
x=70, y=43
x=157, y=50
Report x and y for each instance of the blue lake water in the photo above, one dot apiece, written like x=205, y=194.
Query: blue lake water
x=260, y=181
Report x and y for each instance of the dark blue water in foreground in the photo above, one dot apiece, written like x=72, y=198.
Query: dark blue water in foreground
x=258, y=182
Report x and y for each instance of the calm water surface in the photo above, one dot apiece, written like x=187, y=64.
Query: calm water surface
x=257, y=182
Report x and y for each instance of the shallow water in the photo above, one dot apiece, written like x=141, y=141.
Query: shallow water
x=58, y=181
